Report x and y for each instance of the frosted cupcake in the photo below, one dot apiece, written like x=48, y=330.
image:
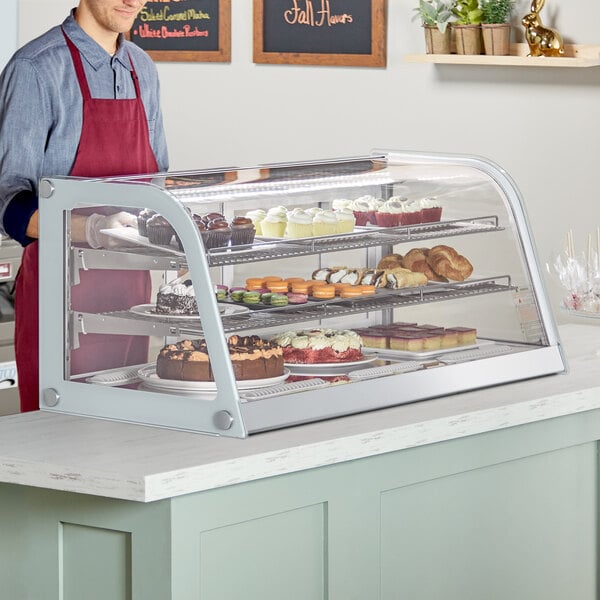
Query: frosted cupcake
x=389, y=213
x=431, y=210
x=299, y=224
x=275, y=221
x=346, y=220
x=341, y=203
x=257, y=216
x=325, y=223
x=413, y=211
x=362, y=208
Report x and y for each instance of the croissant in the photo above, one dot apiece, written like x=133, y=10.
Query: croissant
x=416, y=261
x=390, y=261
x=447, y=262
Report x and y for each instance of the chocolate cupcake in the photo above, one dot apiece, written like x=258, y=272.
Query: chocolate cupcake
x=200, y=224
x=218, y=234
x=160, y=231
x=142, y=220
x=242, y=231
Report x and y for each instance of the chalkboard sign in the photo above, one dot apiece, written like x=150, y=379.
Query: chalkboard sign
x=320, y=32
x=184, y=30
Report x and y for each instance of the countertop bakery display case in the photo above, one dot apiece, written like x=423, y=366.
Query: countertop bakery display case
x=235, y=301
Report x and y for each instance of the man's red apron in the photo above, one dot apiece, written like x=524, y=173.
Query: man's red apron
x=114, y=141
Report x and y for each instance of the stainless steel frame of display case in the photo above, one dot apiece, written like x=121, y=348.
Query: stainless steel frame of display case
x=235, y=413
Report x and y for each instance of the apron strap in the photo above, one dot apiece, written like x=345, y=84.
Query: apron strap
x=82, y=79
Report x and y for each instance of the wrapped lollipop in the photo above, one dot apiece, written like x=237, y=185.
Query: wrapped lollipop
x=579, y=274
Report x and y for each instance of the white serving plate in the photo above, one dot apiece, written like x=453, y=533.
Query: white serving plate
x=329, y=368
x=149, y=310
x=152, y=380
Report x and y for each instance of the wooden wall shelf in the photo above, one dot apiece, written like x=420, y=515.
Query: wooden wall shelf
x=576, y=55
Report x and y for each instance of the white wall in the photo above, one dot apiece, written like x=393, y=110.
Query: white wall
x=541, y=125
x=8, y=30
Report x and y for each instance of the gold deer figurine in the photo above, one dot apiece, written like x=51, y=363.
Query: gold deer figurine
x=543, y=41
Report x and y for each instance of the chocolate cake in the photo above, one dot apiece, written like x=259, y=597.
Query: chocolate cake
x=251, y=358
x=178, y=299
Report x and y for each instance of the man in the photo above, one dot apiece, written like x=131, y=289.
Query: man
x=80, y=100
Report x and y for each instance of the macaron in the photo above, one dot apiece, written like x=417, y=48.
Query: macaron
x=251, y=297
x=279, y=287
x=295, y=298
x=351, y=292
x=255, y=283
x=323, y=291
x=366, y=290
x=237, y=295
x=279, y=300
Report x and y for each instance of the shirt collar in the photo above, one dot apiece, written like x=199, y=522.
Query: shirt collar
x=89, y=49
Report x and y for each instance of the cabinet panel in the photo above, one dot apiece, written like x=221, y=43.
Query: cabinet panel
x=518, y=530
x=274, y=556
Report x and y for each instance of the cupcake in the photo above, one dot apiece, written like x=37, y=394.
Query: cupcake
x=142, y=220
x=242, y=231
x=257, y=216
x=360, y=208
x=431, y=210
x=159, y=230
x=413, y=211
x=299, y=224
x=217, y=234
x=346, y=220
x=341, y=203
x=388, y=213
x=325, y=223
x=274, y=223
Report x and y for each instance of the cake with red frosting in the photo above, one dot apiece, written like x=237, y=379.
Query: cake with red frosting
x=313, y=346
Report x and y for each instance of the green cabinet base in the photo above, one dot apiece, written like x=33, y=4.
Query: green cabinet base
x=508, y=515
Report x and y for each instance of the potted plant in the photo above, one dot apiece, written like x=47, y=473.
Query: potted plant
x=435, y=16
x=467, y=27
x=495, y=26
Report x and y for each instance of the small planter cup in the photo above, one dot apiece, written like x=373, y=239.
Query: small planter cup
x=436, y=42
x=468, y=39
x=496, y=38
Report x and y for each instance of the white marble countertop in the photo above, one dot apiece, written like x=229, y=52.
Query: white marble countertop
x=139, y=463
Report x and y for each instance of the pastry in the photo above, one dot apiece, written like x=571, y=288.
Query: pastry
x=257, y=216
x=390, y=261
x=325, y=223
x=274, y=223
x=176, y=299
x=142, y=220
x=295, y=298
x=402, y=278
x=242, y=231
x=279, y=299
x=447, y=262
x=251, y=297
x=345, y=218
x=159, y=230
x=279, y=287
x=299, y=224
x=218, y=234
x=431, y=210
x=323, y=292
x=416, y=260
x=251, y=358
x=320, y=346
x=466, y=335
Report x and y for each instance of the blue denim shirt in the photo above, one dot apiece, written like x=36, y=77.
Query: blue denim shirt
x=41, y=113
